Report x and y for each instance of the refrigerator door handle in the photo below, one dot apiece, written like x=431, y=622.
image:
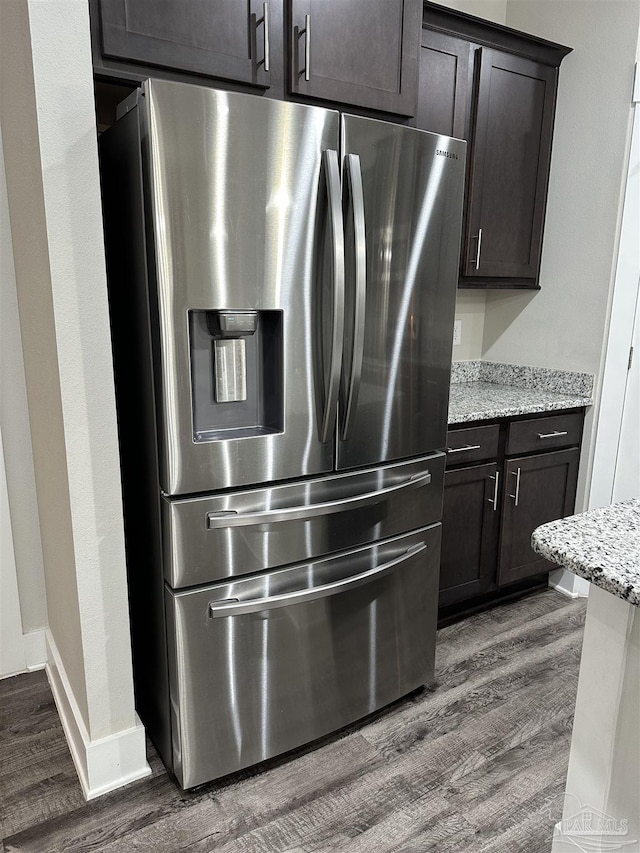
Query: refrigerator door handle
x=354, y=180
x=227, y=518
x=228, y=607
x=332, y=175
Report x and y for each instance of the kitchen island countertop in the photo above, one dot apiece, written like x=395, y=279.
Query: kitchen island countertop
x=601, y=545
x=487, y=390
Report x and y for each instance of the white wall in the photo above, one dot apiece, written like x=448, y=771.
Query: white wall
x=50, y=152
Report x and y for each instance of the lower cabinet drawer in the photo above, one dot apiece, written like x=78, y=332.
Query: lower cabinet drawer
x=472, y=444
x=261, y=665
x=542, y=434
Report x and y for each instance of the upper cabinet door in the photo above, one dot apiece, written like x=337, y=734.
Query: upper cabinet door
x=444, y=84
x=513, y=125
x=362, y=52
x=228, y=39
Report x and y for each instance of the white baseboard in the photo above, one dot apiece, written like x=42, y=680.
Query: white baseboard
x=35, y=649
x=29, y=653
x=102, y=765
x=569, y=584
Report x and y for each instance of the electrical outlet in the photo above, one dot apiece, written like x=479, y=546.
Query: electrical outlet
x=457, y=332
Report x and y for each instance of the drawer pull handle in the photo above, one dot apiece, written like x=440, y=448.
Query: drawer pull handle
x=516, y=497
x=234, y=606
x=494, y=502
x=461, y=449
x=233, y=518
x=555, y=434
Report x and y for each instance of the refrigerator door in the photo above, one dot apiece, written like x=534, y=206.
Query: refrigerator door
x=265, y=664
x=210, y=538
x=244, y=199
x=403, y=213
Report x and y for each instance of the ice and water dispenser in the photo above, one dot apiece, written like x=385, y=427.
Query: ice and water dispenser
x=236, y=373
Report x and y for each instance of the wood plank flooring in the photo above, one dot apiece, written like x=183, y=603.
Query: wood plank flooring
x=470, y=764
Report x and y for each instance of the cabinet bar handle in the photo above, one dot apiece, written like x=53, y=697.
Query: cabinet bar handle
x=460, y=449
x=307, y=47
x=555, y=434
x=516, y=474
x=494, y=502
x=479, y=248
x=265, y=21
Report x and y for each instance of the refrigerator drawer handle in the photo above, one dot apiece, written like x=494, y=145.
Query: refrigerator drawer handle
x=354, y=183
x=230, y=518
x=227, y=607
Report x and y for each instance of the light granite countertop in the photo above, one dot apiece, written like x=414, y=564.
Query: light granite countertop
x=601, y=545
x=482, y=390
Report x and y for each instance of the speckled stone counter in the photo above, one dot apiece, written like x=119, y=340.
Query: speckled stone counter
x=601, y=545
x=484, y=390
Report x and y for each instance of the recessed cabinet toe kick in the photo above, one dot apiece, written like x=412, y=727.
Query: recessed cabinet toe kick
x=282, y=288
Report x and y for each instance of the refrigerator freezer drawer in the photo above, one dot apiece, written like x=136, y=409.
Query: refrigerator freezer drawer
x=212, y=538
x=262, y=665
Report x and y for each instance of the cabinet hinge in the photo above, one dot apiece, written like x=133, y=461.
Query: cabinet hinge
x=630, y=358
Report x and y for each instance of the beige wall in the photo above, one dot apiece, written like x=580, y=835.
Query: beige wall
x=14, y=426
x=564, y=324
x=470, y=310
x=491, y=10
x=50, y=147
x=31, y=257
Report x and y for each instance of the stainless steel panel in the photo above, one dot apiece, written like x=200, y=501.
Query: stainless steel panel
x=235, y=189
x=211, y=538
x=304, y=651
x=413, y=187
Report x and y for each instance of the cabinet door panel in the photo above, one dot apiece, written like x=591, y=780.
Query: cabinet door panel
x=469, y=533
x=537, y=489
x=217, y=38
x=443, y=89
x=513, y=121
x=361, y=52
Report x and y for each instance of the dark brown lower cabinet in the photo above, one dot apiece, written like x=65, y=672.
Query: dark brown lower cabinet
x=492, y=507
x=469, y=533
x=537, y=489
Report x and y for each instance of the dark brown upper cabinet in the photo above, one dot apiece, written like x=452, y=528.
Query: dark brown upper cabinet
x=231, y=40
x=443, y=94
x=361, y=52
x=509, y=170
x=496, y=88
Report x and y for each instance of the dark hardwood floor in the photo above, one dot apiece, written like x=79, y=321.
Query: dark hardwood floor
x=475, y=763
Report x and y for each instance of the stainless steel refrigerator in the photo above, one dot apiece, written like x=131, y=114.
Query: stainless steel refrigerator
x=282, y=282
